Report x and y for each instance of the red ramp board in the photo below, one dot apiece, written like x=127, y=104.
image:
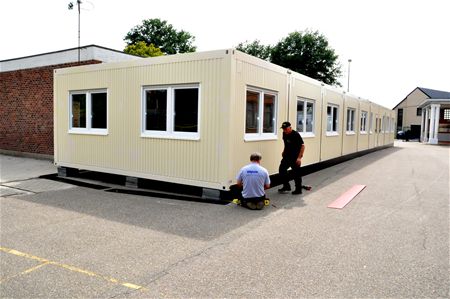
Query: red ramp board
x=346, y=197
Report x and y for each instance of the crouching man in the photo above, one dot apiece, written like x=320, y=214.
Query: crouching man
x=253, y=179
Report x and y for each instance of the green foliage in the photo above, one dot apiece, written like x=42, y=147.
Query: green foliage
x=306, y=52
x=255, y=48
x=141, y=49
x=162, y=36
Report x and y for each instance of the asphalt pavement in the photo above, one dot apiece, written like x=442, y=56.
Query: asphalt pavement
x=59, y=240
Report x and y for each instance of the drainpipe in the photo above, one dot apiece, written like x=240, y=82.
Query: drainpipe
x=322, y=95
x=288, y=93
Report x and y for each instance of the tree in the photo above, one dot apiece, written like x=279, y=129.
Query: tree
x=255, y=48
x=308, y=53
x=162, y=36
x=141, y=49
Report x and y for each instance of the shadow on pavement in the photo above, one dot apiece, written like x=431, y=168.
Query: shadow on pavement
x=190, y=219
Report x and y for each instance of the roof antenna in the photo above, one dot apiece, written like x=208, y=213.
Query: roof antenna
x=70, y=7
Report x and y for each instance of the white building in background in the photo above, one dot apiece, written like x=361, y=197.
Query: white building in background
x=425, y=113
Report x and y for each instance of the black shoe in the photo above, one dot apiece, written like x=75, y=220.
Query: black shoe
x=307, y=188
x=251, y=205
x=297, y=191
x=284, y=189
x=260, y=205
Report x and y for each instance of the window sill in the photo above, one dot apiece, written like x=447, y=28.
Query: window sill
x=252, y=137
x=195, y=137
x=363, y=133
x=307, y=135
x=88, y=132
x=331, y=134
x=350, y=133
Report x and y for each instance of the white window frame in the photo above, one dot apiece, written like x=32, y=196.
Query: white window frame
x=334, y=111
x=88, y=130
x=170, y=132
x=303, y=132
x=350, y=126
x=363, y=122
x=260, y=135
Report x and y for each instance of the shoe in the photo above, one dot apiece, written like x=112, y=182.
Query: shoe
x=307, y=188
x=260, y=205
x=297, y=191
x=284, y=189
x=251, y=205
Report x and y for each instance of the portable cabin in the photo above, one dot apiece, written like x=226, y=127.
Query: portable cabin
x=195, y=118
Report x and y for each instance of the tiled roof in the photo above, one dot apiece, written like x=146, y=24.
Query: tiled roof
x=435, y=94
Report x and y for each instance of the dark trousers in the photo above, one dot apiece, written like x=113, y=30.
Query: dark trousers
x=252, y=199
x=285, y=164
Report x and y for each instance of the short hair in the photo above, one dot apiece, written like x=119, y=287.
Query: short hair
x=255, y=157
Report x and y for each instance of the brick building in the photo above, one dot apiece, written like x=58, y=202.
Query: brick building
x=26, y=97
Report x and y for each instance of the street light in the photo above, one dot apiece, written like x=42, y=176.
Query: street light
x=348, y=84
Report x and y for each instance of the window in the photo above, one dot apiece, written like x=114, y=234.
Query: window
x=399, y=119
x=171, y=111
x=419, y=112
x=305, y=116
x=363, y=128
x=260, y=114
x=332, y=119
x=88, y=112
x=447, y=114
x=350, y=120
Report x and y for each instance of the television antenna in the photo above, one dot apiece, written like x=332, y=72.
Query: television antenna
x=70, y=7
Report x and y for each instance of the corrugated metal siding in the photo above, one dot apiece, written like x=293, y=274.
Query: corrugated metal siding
x=255, y=74
x=332, y=145
x=214, y=160
x=363, y=139
x=302, y=89
x=123, y=150
x=350, y=141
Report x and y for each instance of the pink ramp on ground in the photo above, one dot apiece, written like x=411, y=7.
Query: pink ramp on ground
x=345, y=198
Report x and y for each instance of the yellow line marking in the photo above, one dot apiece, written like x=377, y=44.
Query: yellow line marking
x=24, y=272
x=68, y=267
x=131, y=286
x=34, y=268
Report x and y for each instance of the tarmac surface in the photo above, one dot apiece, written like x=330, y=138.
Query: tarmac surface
x=59, y=240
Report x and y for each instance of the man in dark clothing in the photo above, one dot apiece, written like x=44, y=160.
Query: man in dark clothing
x=292, y=157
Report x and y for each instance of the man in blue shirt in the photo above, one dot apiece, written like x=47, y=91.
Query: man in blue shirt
x=254, y=179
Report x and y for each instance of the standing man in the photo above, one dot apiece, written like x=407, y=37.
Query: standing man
x=292, y=157
x=254, y=179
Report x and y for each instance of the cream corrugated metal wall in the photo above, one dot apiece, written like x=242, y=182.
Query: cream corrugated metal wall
x=123, y=150
x=301, y=88
x=213, y=161
x=252, y=72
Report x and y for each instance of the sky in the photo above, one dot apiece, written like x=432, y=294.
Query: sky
x=394, y=45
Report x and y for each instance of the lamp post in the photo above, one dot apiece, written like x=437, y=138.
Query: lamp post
x=348, y=83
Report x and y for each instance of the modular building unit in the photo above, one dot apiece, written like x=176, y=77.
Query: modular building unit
x=195, y=118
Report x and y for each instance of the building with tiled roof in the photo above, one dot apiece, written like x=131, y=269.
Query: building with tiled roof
x=425, y=113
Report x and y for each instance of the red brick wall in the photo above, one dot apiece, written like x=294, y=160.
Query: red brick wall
x=26, y=109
